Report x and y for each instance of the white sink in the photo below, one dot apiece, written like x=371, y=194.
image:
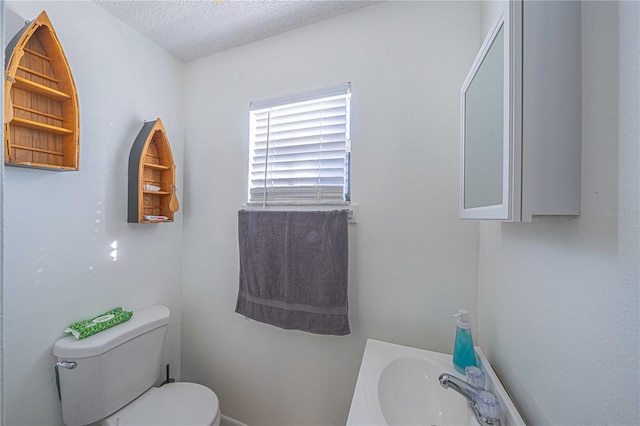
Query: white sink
x=398, y=385
x=410, y=394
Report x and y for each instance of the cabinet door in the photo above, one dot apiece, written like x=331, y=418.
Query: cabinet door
x=487, y=145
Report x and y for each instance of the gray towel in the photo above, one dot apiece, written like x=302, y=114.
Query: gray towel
x=294, y=269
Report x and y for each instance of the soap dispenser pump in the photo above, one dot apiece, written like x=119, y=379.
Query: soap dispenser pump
x=463, y=352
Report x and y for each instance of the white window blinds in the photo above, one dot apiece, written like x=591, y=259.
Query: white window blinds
x=300, y=147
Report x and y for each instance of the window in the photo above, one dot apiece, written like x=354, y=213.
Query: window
x=300, y=148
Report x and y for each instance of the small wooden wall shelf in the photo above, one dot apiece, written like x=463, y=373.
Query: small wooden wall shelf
x=152, y=177
x=41, y=113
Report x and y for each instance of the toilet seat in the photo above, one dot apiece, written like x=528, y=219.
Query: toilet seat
x=174, y=404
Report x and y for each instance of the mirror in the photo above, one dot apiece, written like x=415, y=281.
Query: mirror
x=483, y=116
x=484, y=137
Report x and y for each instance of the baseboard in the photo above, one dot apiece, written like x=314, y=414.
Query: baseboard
x=228, y=421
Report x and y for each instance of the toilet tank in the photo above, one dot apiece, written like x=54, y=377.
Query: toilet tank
x=113, y=367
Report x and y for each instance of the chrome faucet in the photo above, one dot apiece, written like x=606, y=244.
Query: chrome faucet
x=484, y=404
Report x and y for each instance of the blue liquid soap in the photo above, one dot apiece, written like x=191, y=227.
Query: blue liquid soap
x=464, y=354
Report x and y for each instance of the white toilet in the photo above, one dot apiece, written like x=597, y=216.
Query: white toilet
x=109, y=377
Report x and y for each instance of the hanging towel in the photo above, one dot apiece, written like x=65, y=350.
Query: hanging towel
x=82, y=329
x=294, y=269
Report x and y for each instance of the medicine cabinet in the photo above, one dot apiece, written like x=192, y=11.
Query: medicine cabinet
x=521, y=116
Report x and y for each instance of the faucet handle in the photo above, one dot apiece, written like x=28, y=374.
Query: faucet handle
x=475, y=377
x=488, y=407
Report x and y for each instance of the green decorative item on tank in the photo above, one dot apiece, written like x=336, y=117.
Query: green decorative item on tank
x=82, y=329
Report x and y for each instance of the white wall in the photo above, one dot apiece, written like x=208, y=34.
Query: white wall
x=413, y=263
x=2, y=410
x=558, y=298
x=59, y=226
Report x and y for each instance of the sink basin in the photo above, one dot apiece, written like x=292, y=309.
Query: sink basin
x=410, y=394
x=398, y=385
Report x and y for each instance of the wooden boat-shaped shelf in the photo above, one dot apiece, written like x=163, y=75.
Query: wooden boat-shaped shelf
x=152, y=177
x=41, y=113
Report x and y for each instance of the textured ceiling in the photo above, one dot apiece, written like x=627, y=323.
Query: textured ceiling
x=192, y=29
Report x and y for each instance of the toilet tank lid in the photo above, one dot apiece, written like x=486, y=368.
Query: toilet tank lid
x=142, y=321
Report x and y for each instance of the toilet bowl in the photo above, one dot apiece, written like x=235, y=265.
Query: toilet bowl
x=170, y=405
x=108, y=378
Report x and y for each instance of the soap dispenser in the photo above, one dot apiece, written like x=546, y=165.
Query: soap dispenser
x=463, y=352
